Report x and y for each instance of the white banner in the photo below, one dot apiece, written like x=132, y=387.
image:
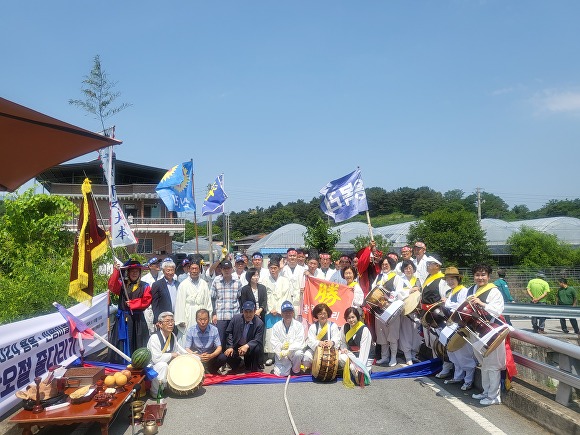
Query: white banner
x=29, y=347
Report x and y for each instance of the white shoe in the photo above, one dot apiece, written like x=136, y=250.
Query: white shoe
x=479, y=396
x=486, y=401
x=269, y=362
x=393, y=363
x=442, y=375
x=409, y=363
x=381, y=361
x=466, y=386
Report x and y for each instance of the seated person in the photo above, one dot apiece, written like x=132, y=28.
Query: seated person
x=355, y=346
x=287, y=342
x=203, y=340
x=244, y=338
x=164, y=347
x=321, y=333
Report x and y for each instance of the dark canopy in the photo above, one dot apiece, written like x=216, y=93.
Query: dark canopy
x=32, y=142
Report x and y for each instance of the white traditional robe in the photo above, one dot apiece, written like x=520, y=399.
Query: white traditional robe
x=332, y=334
x=191, y=296
x=294, y=338
x=161, y=360
x=278, y=291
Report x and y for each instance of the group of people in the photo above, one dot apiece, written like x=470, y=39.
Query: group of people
x=244, y=317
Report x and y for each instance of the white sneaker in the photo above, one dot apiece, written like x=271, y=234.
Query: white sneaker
x=486, y=401
x=479, y=396
x=442, y=375
x=381, y=361
x=466, y=386
x=269, y=362
x=393, y=363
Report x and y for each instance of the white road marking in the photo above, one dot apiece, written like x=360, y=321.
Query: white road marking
x=483, y=422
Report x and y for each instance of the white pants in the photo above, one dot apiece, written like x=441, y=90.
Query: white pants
x=491, y=367
x=409, y=338
x=161, y=379
x=464, y=362
x=293, y=361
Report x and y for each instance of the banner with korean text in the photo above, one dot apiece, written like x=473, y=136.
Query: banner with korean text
x=338, y=297
x=29, y=347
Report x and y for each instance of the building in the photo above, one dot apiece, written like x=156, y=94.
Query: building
x=151, y=222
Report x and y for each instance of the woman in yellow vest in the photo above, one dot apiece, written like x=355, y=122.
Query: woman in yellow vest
x=488, y=297
x=355, y=347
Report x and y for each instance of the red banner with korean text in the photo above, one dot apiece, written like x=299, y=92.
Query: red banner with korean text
x=338, y=297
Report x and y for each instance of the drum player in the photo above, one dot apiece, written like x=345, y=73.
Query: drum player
x=488, y=296
x=321, y=333
x=164, y=347
x=463, y=358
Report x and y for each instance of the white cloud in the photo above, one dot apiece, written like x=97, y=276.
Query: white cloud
x=558, y=101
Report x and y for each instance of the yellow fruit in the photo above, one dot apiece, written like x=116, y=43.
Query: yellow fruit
x=127, y=373
x=109, y=380
x=120, y=379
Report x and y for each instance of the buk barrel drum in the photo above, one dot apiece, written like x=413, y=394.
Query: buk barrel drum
x=436, y=316
x=185, y=374
x=440, y=350
x=325, y=363
x=384, y=304
x=486, y=335
x=453, y=337
x=412, y=308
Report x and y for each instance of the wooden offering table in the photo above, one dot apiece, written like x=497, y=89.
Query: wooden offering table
x=76, y=413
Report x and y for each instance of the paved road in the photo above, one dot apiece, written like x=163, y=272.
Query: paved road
x=419, y=406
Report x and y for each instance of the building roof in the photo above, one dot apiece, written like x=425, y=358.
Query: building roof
x=125, y=173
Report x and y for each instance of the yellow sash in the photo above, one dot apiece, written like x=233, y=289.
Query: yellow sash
x=456, y=290
x=412, y=281
x=167, y=342
x=432, y=278
x=346, y=380
x=484, y=289
x=389, y=276
x=322, y=332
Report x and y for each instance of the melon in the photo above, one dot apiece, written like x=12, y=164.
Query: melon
x=140, y=358
x=120, y=379
x=109, y=380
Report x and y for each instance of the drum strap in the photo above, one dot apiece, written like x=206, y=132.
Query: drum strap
x=322, y=332
x=432, y=278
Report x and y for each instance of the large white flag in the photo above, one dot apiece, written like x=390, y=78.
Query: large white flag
x=121, y=232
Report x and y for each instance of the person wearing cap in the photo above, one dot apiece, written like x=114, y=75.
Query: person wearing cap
x=387, y=336
x=295, y=274
x=185, y=264
x=325, y=262
x=369, y=259
x=202, y=339
x=463, y=359
x=164, y=291
x=192, y=295
x=130, y=331
x=287, y=342
x=278, y=290
x=420, y=260
x=164, y=347
x=322, y=332
x=434, y=290
x=244, y=339
x=153, y=275
x=487, y=296
x=225, y=296
x=538, y=289
x=240, y=270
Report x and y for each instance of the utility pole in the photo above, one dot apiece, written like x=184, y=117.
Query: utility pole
x=478, y=190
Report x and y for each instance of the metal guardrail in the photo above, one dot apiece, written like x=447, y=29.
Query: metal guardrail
x=568, y=362
x=538, y=310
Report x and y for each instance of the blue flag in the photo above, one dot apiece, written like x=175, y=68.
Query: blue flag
x=345, y=197
x=214, y=201
x=176, y=188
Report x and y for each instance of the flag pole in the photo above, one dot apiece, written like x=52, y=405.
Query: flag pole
x=370, y=226
x=194, y=212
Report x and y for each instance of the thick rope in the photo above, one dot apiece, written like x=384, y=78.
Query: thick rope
x=288, y=407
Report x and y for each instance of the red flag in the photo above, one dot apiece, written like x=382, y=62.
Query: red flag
x=338, y=297
x=90, y=244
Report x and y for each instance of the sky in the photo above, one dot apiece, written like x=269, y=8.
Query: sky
x=283, y=96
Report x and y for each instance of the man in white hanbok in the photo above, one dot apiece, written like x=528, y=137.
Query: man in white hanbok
x=287, y=342
x=192, y=294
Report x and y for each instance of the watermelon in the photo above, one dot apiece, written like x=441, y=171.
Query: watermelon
x=140, y=358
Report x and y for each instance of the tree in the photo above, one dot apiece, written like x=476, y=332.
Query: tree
x=36, y=254
x=321, y=237
x=454, y=235
x=492, y=206
x=383, y=244
x=535, y=249
x=99, y=95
